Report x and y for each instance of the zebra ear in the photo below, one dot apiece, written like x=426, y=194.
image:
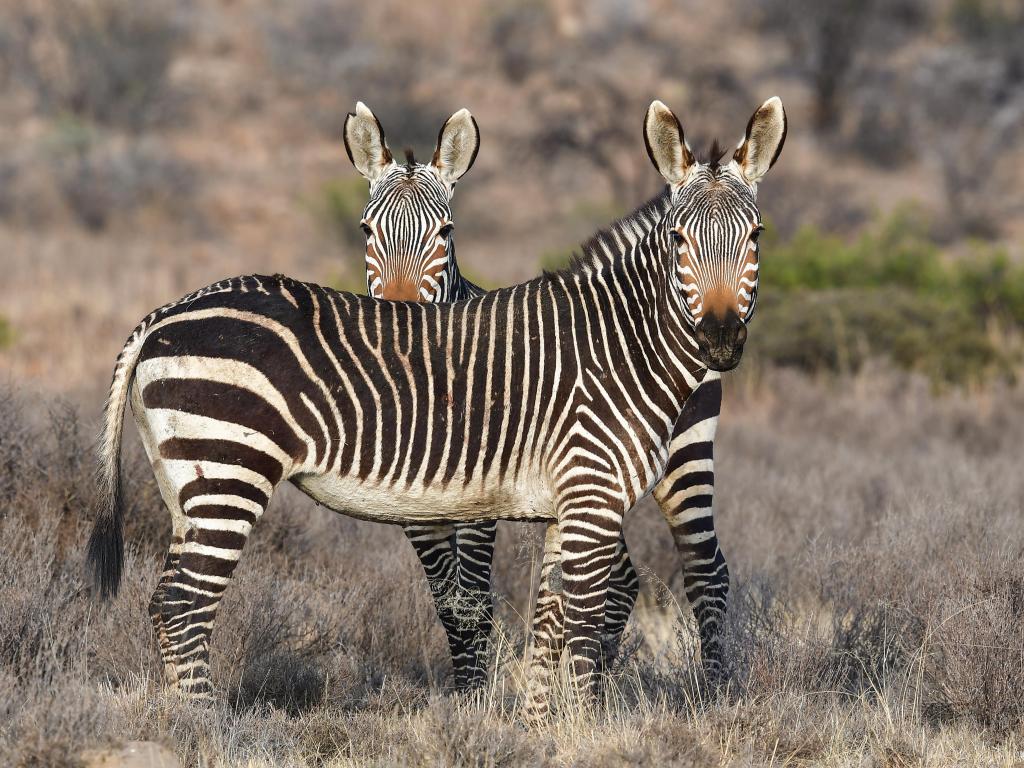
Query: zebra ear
x=760, y=148
x=365, y=143
x=457, y=145
x=666, y=144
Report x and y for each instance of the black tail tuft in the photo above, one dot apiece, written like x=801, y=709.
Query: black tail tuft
x=106, y=554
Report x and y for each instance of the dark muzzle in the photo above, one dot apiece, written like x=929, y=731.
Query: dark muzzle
x=721, y=340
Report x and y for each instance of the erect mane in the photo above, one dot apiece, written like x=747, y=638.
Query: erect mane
x=715, y=153
x=594, y=252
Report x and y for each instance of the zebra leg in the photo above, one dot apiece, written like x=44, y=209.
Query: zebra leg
x=157, y=601
x=548, y=629
x=435, y=547
x=685, y=496
x=590, y=539
x=623, y=588
x=212, y=516
x=475, y=607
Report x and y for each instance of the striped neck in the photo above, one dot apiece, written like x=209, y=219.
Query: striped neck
x=454, y=286
x=627, y=274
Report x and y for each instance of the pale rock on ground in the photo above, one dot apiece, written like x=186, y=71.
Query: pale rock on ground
x=132, y=754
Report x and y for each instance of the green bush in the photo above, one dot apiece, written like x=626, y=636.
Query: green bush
x=6, y=333
x=838, y=330
x=340, y=208
x=892, y=292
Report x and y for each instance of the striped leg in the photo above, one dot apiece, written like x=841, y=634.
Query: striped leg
x=548, y=629
x=215, y=492
x=590, y=537
x=457, y=562
x=548, y=619
x=435, y=547
x=685, y=496
x=475, y=607
x=623, y=588
x=219, y=512
x=157, y=601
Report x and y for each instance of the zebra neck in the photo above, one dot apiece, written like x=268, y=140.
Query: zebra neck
x=632, y=249
x=457, y=287
x=634, y=315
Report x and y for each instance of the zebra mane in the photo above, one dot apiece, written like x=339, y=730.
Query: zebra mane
x=603, y=247
x=715, y=153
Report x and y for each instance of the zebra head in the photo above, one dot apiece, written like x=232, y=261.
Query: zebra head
x=713, y=224
x=410, y=249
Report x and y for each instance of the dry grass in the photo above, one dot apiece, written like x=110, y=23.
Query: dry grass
x=873, y=531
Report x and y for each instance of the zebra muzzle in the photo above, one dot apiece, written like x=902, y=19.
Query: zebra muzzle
x=721, y=340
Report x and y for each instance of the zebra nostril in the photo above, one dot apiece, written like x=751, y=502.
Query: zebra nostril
x=741, y=334
x=700, y=335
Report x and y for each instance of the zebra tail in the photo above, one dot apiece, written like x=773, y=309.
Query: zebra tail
x=106, y=543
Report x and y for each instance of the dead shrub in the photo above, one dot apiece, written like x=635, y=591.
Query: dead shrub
x=105, y=61
x=974, y=651
x=103, y=181
x=871, y=615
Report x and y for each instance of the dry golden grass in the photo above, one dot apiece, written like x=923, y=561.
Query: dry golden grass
x=873, y=531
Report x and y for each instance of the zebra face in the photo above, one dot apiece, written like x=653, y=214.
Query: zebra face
x=713, y=225
x=408, y=228
x=408, y=219
x=713, y=228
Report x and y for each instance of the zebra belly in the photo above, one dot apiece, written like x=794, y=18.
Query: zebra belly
x=397, y=503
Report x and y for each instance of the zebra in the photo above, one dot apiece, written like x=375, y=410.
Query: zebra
x=553, y=400
x=410, y=255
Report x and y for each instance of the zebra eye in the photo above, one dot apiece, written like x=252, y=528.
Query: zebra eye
x=446, y=230
x=366, y=229
x=756, y=233
x=676, y=235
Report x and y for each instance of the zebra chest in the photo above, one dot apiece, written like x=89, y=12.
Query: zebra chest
x=404, y=503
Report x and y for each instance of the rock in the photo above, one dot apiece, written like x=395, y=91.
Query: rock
x=132, y=754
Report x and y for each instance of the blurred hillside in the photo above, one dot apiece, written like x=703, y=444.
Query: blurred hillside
x=148, y=148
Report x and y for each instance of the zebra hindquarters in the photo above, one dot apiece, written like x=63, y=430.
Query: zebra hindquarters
x=685, y=496
x=217, y=478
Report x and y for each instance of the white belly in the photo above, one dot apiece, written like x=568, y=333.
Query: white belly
x=398, y=504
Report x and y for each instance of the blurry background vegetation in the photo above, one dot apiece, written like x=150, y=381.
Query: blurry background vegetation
x=892, y=291
x=147, y=148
